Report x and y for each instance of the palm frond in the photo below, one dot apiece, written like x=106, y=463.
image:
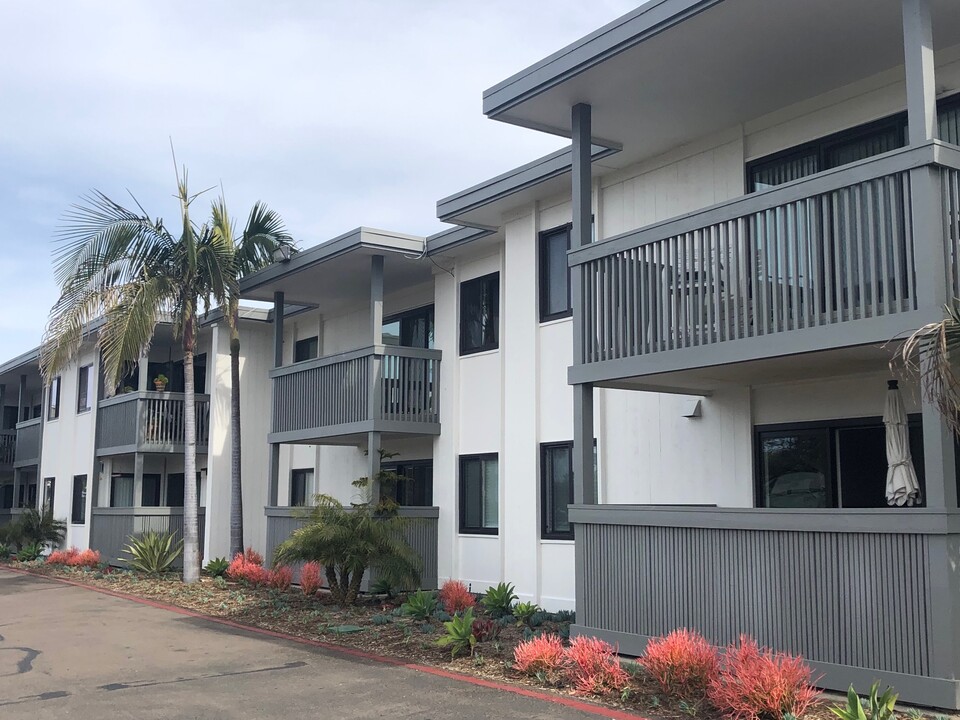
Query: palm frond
x=929, y=355
x=130, y=322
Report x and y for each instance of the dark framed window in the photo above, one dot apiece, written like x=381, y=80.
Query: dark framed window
x=828, y=464
x=411, y=483
x=78, y=506
x=306, y=349
x=301, y=487
x=53, y=400
x=6, y=496
x=151, y=490
x=121, y=490
x=480, y=314
x=556, y=490
x=554, y=273
x=49, y=487
x=479, y=494
x=412, y=328
x=83, y=388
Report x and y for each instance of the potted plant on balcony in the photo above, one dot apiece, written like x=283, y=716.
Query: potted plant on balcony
x=160, y=382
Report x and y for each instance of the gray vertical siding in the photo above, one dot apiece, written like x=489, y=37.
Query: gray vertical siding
x=421, y=534
x=8, y=446
x=111, y=528
x=148, y=422
x=28, y=442
x=843, y=589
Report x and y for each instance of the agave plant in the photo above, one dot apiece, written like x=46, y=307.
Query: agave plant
x=153, y=552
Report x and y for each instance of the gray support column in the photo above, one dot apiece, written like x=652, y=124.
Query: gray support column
x=22, y=395
x=584, y=489
x=138, y=478
x=278, y=329
x=921, y=75
x=16, y=487
x=376, y=299
x=143, y=370
x=273, y=483
x=373, y=466
x=3, y=397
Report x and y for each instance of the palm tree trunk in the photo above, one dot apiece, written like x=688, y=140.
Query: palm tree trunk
x=191, y=534
x=236, y=483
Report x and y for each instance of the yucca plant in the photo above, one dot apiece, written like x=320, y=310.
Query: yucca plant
x=153, y=552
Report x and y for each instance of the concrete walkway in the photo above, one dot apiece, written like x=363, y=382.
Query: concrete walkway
x=69, y=652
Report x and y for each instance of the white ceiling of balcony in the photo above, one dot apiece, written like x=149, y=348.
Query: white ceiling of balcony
x=736, y=61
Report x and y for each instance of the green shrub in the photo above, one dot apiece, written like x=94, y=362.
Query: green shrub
x=459, y=637
x=524, y=611
x=876, y=707
x=34, y=528
x=538, y=618
x=383, y=587
x=427, y=629
x=498, y=600
x=564, y=616
x=441, y=616
x=506, y=621
x=31, y=552
x=381, y=619
x=420, y=605
x=217, y=567
x=153, y=552
x=4, y=551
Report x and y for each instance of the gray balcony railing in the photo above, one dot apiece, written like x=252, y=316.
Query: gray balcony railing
x=385, y=388
x=148, y=422
x=28, y=443
x=111, y=528
x=8, y=446
x=420, y=534
x=826, y=250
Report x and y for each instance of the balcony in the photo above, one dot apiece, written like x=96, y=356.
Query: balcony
x=826, y=262
x=27, y=451
x=8, y=446
x=376, y=389
x=148, y=422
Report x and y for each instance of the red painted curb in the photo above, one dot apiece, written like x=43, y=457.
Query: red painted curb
x=354, y=652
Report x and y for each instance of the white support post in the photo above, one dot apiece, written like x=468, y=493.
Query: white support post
x=920, y=71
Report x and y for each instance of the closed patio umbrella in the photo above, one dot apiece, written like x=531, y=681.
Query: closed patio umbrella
x=902, y=486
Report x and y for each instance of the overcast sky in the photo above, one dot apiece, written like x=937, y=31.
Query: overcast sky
x=335, y=114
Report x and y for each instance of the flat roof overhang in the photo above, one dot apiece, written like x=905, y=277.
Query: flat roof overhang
x=335, y=275
x=673, y=71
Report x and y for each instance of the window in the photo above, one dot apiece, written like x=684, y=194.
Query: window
x=301, y=487
x=78, y=510
x=150, y=494
x=556, y=490
x=53, y=409
x=121, y=490
x=555, y=274
x=49, y=485
x=479, y=494
x=83, y=389
x=830, y=464
x=413, y=328
x=412, y=485
x=175, y=490
x=306, y=349
x=480, y=314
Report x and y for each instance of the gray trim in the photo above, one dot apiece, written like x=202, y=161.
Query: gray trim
x=896, y=521
x=623, y=33
x=509, y=183
x=926, y=691
x=31, y=357
x=360, y=238
x=454, y=238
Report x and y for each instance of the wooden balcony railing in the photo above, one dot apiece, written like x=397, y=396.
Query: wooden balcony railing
x=148, y=422
x=8, y=446
x=27, y=450
x=384, y=388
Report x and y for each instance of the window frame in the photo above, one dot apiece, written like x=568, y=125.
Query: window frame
x=834, y=487
x=489, y=345
x=306, y=490
x=462, y=527
x=545, y=514
x=82, y=498
x=53, y=407
x=83, y=388
x=300, y=343
x=543, y=273
x=49, y=483
x=395, y=467
x=428, y=312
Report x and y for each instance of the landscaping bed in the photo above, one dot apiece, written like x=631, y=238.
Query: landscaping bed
x=383, y=625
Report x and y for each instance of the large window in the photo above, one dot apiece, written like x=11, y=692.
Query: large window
x=306, y=349
x=412, y=484
x=78, y=507
x=121, y=490
x=151, y=489
x=83, y=388
x=413, y=328
x=554, y=274
x=480, y=314
x=479, y=494
x=840, y=463
x=53, y=400
x=301, y=487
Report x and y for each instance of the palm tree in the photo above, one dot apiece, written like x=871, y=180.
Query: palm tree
x=132, y=271
x=253, y=250
x=930, y=354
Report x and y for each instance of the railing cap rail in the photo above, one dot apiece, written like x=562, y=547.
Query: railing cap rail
x=149, y=395
x=29, y=423
x=348, y=355
x=889, y=163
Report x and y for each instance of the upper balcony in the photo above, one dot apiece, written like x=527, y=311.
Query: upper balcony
x=148, y=422
x=830, y=261
x=376, y=389
x=8, y=444
x=27, y=450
